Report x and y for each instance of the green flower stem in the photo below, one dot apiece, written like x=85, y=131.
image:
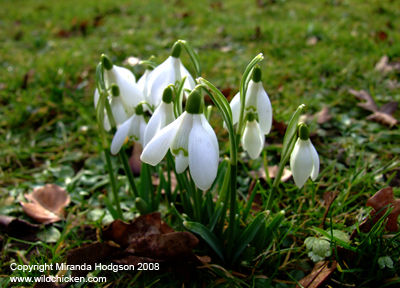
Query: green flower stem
x=113, y=182
x=232, y=207
x=124, y=159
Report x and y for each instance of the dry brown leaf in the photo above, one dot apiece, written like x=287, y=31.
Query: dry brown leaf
x=47, y=203
x=318, y=275
x=124, y=233
x=164, y=246
x=369, y=105
x=16, y=227
x=89, y=255
x=323, y=116
x=381, y=199
x=391, y=84
x=384, y=66
x=383, y=118
x=382, y=115
x=272, y=171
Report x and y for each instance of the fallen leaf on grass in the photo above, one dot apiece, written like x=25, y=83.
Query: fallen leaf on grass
x=131, y=61
x=16, y=227
x=318, y=275
x=164, y=246
x=380, y=202
x=384, y=66
x=124, y=233
x=47, y=203
x=383, y=114
x=322, y=116
x=272, y=171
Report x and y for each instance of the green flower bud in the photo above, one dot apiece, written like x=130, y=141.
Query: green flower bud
x=304, y=134
x=139, y=109
x=176, y=50
x=193, y=104
x=167, y=95
x=257, y=74
x=106, y=61
x=114, y=90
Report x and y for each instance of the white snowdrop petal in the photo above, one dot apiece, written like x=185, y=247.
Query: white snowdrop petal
x=264, y=110
x=203, y=161
x=120, y=136
x=156, y=149
x=125, y=73
x=106, y=123
x=251, y=96
x=156, y=123
x=253, y=139
x=96, y=97
x=118, y=111
x=181, y=163
x=142, y=80
x=301, y=162
x=181, y=141
x=160, y=78
x=211, y=133
x=235, y=107
x=315, y=158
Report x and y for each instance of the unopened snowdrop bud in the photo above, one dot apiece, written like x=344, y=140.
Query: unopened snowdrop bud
x=133, y=128
x=176, y=50
x=253, y=139
x=192, y=141
x=106, y=61
x=304, y=160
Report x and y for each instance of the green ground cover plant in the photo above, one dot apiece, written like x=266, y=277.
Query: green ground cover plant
x=326, y=54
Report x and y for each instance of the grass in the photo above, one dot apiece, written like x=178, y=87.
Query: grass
x=48, y=55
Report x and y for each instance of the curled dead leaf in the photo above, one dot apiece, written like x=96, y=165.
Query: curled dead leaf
x=380, y=202
x=318, y=275
x=272, y=171
x=16, y=227
x=47, y=203
x=124, y=233
x=164, y=246
x=384, y=66
x=382, y=115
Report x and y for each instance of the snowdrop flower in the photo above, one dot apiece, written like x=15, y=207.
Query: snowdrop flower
x=253, y=139
x=169, y=72
x=133, y=128
x=257, y=101
x=117, y=107
x=304, y=160
x=192, y=141
x=143, y=80
x=131, y=94
x=163, y=116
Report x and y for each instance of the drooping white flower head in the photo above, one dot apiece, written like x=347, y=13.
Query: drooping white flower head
x=304, y=160
x=133, y=128
x=117, y=107
x=143, y=80
x=192, y=141
x=162, y=117
x=169, y=72
x=253, y=139
x=257, y=101
x=131, y=94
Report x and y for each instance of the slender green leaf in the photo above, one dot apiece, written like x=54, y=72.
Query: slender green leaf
x=178, y=110
x=193, y=56
x=291, y=130
x=248, y=234
x=250, y=202
x=207, y=235
x=216, y=216
x=110, y=208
